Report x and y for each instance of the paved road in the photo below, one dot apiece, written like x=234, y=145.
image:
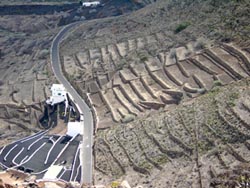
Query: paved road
x=88, y=119
x=12, y=154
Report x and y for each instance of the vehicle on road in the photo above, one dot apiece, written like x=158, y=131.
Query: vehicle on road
x=91, y=4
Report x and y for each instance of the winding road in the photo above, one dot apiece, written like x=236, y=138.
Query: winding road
x=86, y=150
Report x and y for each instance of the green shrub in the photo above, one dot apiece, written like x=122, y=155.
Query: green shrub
x=181, y=27
x=217, y=83
x=121, y=64
x=232, y=98
x=144, y=58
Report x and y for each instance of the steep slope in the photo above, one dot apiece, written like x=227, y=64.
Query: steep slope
x=171, y=81
x=126, y=62
x=192, y=145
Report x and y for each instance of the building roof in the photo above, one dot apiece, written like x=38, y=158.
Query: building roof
x=55, y=100
x=58, y=87
x=75, y=128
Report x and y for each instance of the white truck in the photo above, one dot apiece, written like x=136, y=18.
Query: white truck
x=91, y=4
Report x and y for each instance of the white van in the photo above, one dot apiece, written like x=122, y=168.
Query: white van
x=91, y=4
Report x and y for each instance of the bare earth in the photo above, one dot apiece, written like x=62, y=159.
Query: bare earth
x=170, y=87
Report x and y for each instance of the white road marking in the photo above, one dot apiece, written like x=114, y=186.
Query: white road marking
x=33, y=136
x=47, y=157
x=62, y=173
x=33, y=154
x=77, y=172
x=51, y=139
x=34, y=143
x=73, y=166
x=24, y=159
x=3, y=165
x=9, y=152
x=13, y=161
x=2, y=150
x=59, y=155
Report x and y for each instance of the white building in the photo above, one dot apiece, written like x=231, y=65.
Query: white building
x=58, y=94
x=91, y=4
x=58, y=90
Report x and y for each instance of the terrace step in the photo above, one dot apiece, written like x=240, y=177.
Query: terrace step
x=233, y=60
x=202, y=66
x=236, y=74
x=239, y=53
x=242, y=150
x=182, y=69
x=172, y=77
x=233, y=117
x=115, y=115
x=126, y=75
x=190, y=89
x=130, y=151
x=115, y=56
x=167, y=99
x=147, y=87
x=132, y=45
x=122, y=111
x=95, y=55
x=140, y=43
x=124, y=101
x=130, y=96
x=160, y=80
x=152, y=104
x=139, y=89
x=245, y=133
x=122, y=48
x=230, y=149
x=105, y=55
x=83, y=58
x=118, y=154
x=138, y=69
x=200, y=82
x=151, y=39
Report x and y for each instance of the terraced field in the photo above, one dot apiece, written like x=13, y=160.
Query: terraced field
x=25, y=80
x=122, y=86
x=202, y=143
x=170, y=82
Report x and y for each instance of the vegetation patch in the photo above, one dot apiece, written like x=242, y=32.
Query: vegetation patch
x=181, y=27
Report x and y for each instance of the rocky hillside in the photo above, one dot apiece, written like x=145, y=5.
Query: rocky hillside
x=26, y=32
x=150, y=83
x=24, y=73
x=131, y=65
x=171, y=81
x=181, y=21
x=192, y=145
